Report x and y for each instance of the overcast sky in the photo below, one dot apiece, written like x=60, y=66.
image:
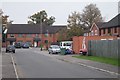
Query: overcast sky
x=19, y=11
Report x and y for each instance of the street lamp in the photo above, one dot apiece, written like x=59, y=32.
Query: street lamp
x=47, y=38
x=41, y=31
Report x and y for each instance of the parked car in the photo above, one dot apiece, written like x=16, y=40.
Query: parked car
x=54, y=49
x=69, y=51
x=83, y=51
x=18, y=45
x=25, y=45
x=10, y=48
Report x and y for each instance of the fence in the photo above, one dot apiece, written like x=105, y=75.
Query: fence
x=104, y=48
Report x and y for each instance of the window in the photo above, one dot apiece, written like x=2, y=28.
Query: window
x=11, y=35
x=36, y=35
x=96, y=32
x=20, y=35
x=28, y=35
x=46, y=35
x=109, y=30
x=115, y=30
x=67, y=44
x=46, y=41
x=103, y=31
x=92, y=33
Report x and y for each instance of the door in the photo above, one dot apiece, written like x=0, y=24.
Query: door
x=35, y=44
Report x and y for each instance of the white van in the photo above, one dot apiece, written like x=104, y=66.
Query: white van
x=66, y=44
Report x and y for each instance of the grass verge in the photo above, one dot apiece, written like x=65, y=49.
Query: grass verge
x=101, y=59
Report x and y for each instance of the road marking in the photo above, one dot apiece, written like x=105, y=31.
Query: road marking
x=99, y=69
x=16, y=73
x=93, y=67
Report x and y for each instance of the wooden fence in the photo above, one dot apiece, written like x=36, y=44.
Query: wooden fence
x=104, y=48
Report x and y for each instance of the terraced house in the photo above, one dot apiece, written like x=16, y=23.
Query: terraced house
x=34, y=34
x=110, y=28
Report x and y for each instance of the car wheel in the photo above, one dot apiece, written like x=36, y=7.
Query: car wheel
x=13, y=51
x=84, y=53
x=6, y=51
x=49, y=52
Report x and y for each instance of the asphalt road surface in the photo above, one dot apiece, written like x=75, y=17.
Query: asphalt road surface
x=33, y=63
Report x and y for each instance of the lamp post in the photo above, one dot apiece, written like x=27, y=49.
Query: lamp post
x=47, y=39
x=41, y=31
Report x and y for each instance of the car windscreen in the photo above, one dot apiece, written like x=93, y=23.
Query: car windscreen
x=55, y=47
x=10, y=46
x=67, y=44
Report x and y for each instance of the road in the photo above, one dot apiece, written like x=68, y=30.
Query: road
x=33, y=63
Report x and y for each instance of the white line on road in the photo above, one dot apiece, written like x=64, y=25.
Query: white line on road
x=93, y=67
x=16, y=73
x=99, y=69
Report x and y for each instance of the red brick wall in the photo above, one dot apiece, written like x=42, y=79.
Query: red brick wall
x=50, y=38
x=112, y=31
x=77, y=41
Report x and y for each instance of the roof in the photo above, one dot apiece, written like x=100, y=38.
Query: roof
x=115, y=22
x=100, y=24
x=32, y=29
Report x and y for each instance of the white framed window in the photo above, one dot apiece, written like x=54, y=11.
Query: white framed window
x=92, y=33
x=11, y=35
x=96, y=32
x=20, y=35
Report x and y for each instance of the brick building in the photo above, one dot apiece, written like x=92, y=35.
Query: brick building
x=110, y=28
x=34, y=34
x=94, y=30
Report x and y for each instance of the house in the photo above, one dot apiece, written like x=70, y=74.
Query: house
x=34, y=34
x=94, y=30
x=110, y=28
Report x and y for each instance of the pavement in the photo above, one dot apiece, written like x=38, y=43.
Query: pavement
x=7, y=66
x=90, y=64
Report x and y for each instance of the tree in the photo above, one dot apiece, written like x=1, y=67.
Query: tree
x=74, y=31
x=1, y=12
x=74, y=27
x=62, y=34
x=90, y=15
x=39, y=17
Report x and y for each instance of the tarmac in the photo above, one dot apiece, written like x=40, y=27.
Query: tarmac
x=8, y=71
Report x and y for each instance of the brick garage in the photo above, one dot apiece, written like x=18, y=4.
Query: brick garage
x=77, y=41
